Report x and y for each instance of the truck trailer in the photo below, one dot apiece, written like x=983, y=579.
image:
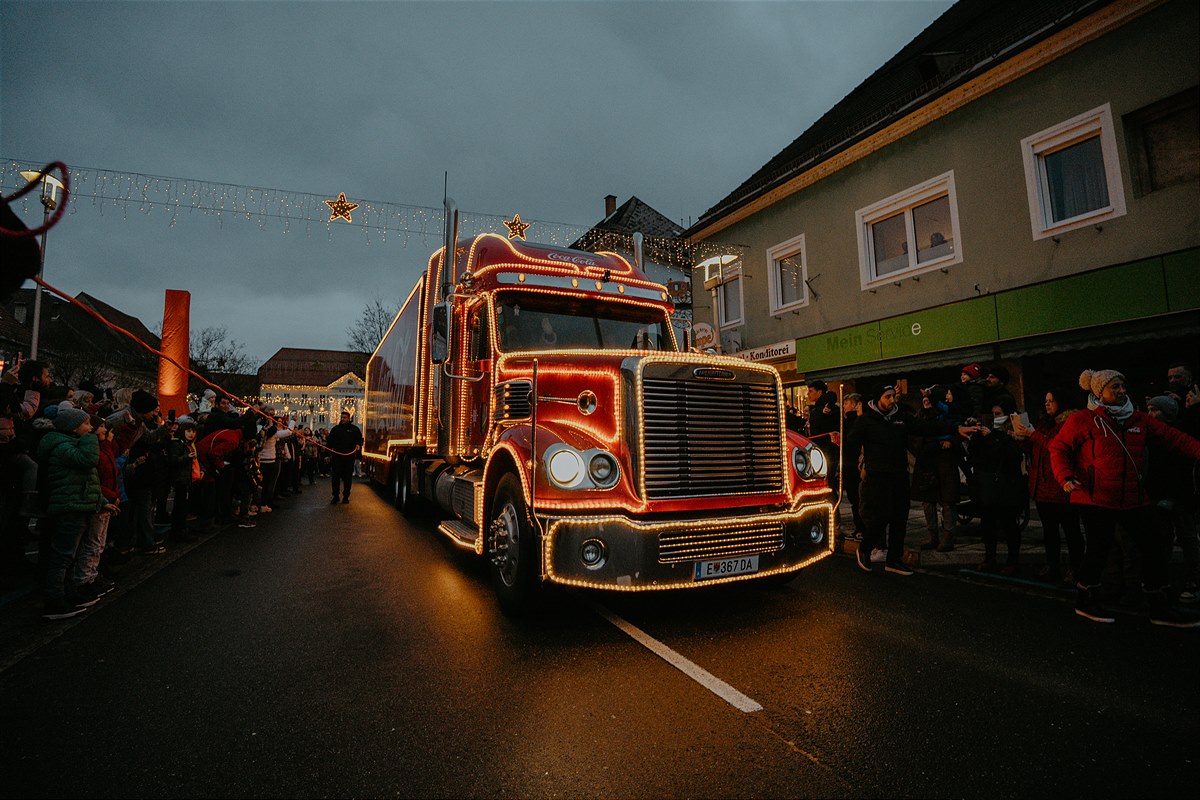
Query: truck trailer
x=541, y=401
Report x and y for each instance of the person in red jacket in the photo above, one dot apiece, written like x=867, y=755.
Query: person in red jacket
x=1099, y=458
x=217, y=499
x=1054, y=508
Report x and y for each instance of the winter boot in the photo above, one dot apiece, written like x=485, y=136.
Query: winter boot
x=1088, y=607
x=1162, y=612
x=933, y=541
x=947, y=542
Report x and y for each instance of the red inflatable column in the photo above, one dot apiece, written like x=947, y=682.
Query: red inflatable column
x=173, y=381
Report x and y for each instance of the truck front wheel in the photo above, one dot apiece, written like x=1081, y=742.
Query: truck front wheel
x=513, y=551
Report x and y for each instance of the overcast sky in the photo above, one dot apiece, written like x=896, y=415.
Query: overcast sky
x=536, y=108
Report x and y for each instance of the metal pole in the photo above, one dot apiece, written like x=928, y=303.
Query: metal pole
x=37, y=289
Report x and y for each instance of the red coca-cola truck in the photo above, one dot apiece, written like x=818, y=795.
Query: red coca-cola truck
x=540, y=398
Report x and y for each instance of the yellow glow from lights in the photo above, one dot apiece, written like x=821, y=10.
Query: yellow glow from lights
x=653, y=528
x=341, y=208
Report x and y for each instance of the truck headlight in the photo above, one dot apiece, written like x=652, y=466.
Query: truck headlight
x=566, y=468
x=603, y=469
x=809, y=461
x=569, y=468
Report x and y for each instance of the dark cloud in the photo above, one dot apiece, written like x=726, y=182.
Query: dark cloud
x=538, y=108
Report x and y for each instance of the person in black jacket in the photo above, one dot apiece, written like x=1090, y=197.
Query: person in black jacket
x=344, y=440
x=998, y=488
x=881, y=434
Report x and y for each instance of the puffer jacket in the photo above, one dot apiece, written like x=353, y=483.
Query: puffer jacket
x=1042, y=486
x=72, y=475
x=1107, y=458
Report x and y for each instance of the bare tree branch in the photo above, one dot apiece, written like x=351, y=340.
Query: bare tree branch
x=368, y=330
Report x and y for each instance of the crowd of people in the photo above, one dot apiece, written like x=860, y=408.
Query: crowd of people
x=99, y=477
x=1115, y=479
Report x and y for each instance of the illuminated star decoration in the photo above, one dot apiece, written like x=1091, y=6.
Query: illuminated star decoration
x=340, y=208
x=516, y=228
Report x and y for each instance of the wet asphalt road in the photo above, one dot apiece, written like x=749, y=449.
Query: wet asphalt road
x=347, y=651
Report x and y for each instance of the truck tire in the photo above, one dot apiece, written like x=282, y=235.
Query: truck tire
x=511, y=547
x=401, y=491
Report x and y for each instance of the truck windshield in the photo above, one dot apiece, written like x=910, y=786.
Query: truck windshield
x=530, y=322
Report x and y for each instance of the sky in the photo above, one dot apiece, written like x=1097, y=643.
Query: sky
x=532, y=108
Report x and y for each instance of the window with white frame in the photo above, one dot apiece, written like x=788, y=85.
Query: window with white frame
x=787, y=275
x=908, y=233
x=729, y=301
x=1072, y=174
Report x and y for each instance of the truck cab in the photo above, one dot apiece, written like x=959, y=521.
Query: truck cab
x=541, y=398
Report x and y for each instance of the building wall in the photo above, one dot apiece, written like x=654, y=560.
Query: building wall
x=1148, y=59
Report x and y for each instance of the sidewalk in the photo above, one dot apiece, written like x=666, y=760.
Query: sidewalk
x=968, y=552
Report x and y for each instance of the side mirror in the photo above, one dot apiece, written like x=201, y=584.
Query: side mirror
x=439, y=347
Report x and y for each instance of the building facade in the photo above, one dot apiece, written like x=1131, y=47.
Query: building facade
x=313, y=387
x=1018, y=185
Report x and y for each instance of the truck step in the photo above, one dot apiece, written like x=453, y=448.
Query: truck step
x=459, y=532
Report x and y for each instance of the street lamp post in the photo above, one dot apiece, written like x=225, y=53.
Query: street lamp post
x=50, y=187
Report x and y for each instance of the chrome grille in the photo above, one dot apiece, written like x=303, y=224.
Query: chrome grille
x=740, y=540
x=706, y=438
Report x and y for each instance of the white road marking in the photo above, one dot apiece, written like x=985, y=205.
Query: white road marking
x=701, y=676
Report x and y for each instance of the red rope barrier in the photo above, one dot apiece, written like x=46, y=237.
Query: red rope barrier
x=216, y=387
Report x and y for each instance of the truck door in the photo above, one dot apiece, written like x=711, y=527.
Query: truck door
x=478, y=361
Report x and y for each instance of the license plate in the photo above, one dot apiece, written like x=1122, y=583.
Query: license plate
x=724, y=567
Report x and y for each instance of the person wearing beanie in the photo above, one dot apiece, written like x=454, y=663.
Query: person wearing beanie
x=880, y=436
x=183, y=470
x=208, y=401
x=973, y=382
x=1165, y=405
x=1099, y=459
x=70, y=454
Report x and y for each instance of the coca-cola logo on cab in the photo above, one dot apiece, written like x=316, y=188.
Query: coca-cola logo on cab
x=581, y=261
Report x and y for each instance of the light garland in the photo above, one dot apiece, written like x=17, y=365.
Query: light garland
x=110, y=190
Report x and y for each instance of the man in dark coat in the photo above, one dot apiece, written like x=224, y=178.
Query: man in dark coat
x=881, y=434
x=344, y=440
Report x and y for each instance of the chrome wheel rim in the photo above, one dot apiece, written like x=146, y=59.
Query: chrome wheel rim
x=506, y=534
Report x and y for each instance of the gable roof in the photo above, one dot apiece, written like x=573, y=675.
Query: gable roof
x=971, y=37
x=300, y=366
x=70, y=336
x=615, y=232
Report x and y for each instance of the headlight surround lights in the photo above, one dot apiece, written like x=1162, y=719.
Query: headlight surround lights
x=568, y=468
x=809, y=461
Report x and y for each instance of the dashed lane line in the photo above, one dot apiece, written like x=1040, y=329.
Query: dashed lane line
x=701, y=676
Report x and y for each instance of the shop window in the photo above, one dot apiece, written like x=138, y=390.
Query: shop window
x=909, y=233
x=1163, y=141
x=1072, y=174
x=787, y=275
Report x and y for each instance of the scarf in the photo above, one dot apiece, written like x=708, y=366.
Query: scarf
x=1119, y=413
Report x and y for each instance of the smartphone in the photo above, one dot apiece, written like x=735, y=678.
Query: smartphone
x=1022, y=419
x=171, y=415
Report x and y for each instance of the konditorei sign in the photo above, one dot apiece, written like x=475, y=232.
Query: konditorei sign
x=770, y=352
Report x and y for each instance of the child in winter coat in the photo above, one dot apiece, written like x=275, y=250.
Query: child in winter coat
x=183, y=469
x=71, y=455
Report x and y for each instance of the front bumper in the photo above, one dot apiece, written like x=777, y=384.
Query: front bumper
x=644, y=556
